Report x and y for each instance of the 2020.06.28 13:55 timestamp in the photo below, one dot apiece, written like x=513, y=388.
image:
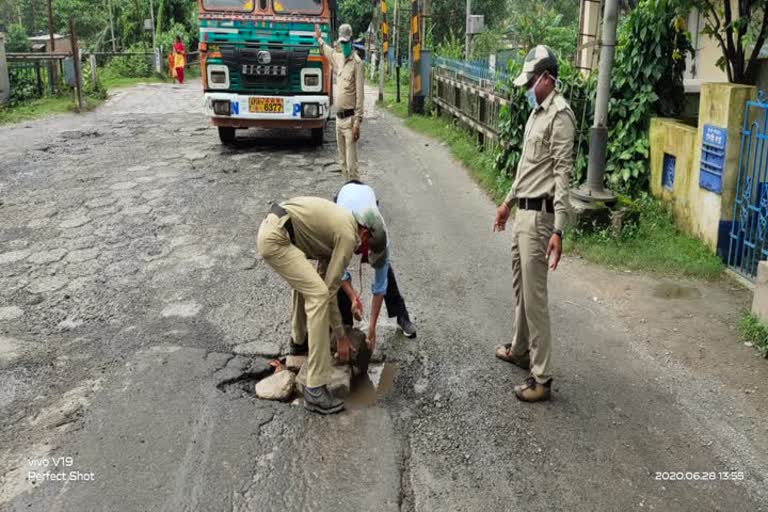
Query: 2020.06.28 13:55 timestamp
x=704, y=476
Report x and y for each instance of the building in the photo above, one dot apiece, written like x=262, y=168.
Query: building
x=42, y=43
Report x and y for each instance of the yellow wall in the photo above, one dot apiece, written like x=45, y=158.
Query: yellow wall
x=699, y=211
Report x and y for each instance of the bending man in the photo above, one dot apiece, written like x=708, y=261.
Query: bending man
x=357, y=197
x=305, y=228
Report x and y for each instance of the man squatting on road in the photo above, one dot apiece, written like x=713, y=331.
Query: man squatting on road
x=305, y=228
x=540, y=192
x=349, y=97
x=357, y=197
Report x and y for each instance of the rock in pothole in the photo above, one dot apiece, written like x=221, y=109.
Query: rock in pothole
x=276, y=387
x=339, y=380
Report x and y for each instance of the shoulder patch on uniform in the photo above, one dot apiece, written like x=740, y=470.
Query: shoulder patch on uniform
x=560, y=103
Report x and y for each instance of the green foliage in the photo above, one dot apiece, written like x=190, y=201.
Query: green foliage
x=487, y=43
x=130, y=65
x=740, y=32
x=541, y=25
x=755, y=332
x=651, y=243
x=16, y=39
x=646, y=81
x=359, y=13
x=451, y=47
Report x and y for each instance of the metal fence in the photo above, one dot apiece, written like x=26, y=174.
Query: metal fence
x=34, y=76
x=477, y=71
x=472, y=93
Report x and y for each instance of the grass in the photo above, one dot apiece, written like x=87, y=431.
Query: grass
x=43, y=107
x=117, y=82
x=754, y=331
x=651, y=244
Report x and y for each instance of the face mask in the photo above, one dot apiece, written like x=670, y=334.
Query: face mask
x=530, y=94
x=346, y=49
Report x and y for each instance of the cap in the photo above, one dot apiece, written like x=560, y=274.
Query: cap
x=371, y=219
x=345, y=33
x=541, y=58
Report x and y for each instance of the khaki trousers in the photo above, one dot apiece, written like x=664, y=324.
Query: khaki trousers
x=345, y=142
x=310, y=295
x=530, y=236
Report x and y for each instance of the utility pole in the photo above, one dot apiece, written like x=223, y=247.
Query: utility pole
x=593, y=190
x=52, y=68
x=467, y=35
x=396, y=35
x=383, y=47
x=76, y=62
x=111, y=26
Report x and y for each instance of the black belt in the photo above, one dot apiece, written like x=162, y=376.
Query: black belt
x=278, y=210
x=534, y=203
x=343, y=114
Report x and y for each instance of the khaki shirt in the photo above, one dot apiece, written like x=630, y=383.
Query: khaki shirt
x=349, y=91
x=546, y=163
x=326, y=232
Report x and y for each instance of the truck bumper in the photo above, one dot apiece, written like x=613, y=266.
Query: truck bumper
x=291, y=117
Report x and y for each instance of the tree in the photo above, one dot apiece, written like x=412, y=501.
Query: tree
x=740, y=35
x=17, y=39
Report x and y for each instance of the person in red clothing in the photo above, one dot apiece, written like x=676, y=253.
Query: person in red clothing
x=180, y=57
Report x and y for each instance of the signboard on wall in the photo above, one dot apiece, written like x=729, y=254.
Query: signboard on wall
x=712, y=158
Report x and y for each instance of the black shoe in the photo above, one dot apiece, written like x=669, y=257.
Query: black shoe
x=405, y=324
x=321, y=401
x=298, y=350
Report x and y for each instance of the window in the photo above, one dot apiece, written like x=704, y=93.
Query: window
x=297, y=6
x=228, y=5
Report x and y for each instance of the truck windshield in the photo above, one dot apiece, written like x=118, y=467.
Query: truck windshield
x=297, y=6
x=228, y=5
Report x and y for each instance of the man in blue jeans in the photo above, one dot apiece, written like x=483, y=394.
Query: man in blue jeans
x=356, y=197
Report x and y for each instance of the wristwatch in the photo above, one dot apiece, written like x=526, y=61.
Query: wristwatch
x=558, y=232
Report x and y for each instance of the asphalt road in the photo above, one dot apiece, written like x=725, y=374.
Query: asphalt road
x=132, y=298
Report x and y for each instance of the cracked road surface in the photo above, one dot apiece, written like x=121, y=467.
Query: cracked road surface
x=131, y=294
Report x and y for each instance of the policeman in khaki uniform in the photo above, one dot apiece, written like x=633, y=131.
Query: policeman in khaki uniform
x=311, y=228
x=540, y=193
x=348, y=98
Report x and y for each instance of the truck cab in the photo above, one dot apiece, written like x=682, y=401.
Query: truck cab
x=262, y=67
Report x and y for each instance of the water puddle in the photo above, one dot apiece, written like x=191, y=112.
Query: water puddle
x=368, y=388
x=675, y=291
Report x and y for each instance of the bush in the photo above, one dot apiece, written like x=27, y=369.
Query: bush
x=16, y=39
x=130, y=66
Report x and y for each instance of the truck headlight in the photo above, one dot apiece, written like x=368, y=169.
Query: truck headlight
x=221, y=107
x=311, y=80
x=218, y=76
x=310, y=110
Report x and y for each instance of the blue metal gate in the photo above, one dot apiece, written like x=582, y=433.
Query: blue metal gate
x=748, y=244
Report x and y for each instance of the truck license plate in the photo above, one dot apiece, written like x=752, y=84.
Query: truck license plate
x=265, y=105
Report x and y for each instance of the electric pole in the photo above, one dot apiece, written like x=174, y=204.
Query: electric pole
x=111, y=26
x=383, y=47
x=396, y=35
x=467, y=35
x=593, y=189
x=52, y=68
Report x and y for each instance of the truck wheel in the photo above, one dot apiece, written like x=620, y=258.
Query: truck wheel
x=318, y=136
x=227, y=135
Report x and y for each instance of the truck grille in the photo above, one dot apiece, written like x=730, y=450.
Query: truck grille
x=264, y=69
